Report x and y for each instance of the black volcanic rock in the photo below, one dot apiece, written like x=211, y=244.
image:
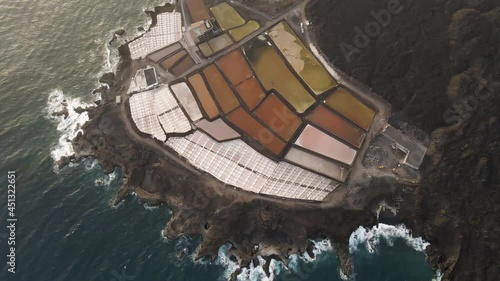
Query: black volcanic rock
x=425, y=61
x=120, y=32
x=107, y=78
x=433, y=57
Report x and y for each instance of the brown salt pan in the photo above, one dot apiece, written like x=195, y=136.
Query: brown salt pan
x=159, y=55
x=206, y=100
x=169, y=62
x=223, y=94
x=184, y=65
x=278, y=117
x=333, y=123
x=250, y=92
x=243, y=120
x=234, y=67
x=347, y=104
x=197, y=10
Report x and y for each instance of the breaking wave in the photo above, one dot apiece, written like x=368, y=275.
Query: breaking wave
x=257, y=273
x=106, y=180
x=253, y=273
x=362, y=237
x=371, y=237
x=62, y=111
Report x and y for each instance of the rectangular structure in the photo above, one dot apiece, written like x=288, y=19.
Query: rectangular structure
x=315, y=140
x=185, y=97
x=223, y=94
x=227, y=17
x=317, y=164
x=415, y=151
x=247, y=123
x=203, y=95
x=336, y=125
x=250, y=92
x=281, y=120
x=150, y=75
x=234, y=67
x=345, y=103
x=217, y=129
x=160, y=54
x=197, y=10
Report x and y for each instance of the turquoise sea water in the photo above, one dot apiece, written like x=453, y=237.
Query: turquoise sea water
x=67, y=229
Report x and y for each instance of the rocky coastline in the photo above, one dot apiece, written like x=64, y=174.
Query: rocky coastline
x=455, y=207
x=438, y=64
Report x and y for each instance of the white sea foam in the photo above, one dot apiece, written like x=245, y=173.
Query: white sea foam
x=68, y=126
x=275, y=267
x=151, y=207
x=438, y=276
x=90, y=163
x=106, y=180
x=371, y=237
x=112, y=58
x=361, y=237
x=255, y=273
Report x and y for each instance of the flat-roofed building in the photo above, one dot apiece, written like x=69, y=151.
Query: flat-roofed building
x=415, y=151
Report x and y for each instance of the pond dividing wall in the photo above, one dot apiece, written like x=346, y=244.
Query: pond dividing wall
x=247, y=123
x=276, y=115
x=317, y=141
x=301, y=59
x=345, y=103
x=275, y=74
x=223, y=94
x=203, y=95
x=336, y=125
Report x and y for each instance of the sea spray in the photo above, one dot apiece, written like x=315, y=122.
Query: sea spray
x=90, y=163
x=257, y=272
x=437, y=276
x=106, y=180
x=323, y=250
x=62, y=111
x=371, y=237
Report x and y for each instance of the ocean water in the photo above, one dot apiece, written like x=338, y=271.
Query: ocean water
x=53, y=52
